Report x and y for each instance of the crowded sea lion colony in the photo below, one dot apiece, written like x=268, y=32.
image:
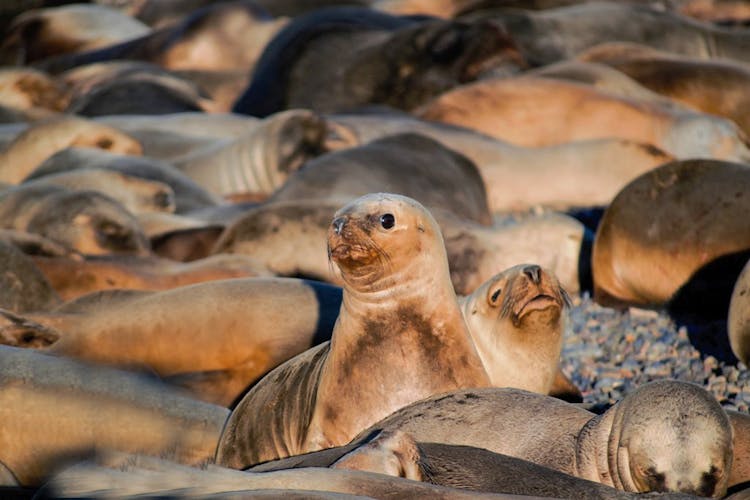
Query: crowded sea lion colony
x=374, y=249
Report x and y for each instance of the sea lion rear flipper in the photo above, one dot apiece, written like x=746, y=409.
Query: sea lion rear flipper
x=19, y=331
x=563, y=388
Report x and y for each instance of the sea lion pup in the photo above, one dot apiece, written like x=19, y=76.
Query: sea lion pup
x=135, y=194
x=600, y=167
x=718, y=87
x=41, y=33
x=188, y=195
x=71, y=278
x=642, y=260
x=475, y=253
x=388, y=60
x=23, y=287
x=551, y=35
x=86, y=221
x=738, y=322
x=517, y=321
x=56, y=409
x=125, y=476
x=666, y=435
x=261, y=161
x=399, y=337
x=43, y=139
x=506, y=108
x=408, y=164
x=214, y=338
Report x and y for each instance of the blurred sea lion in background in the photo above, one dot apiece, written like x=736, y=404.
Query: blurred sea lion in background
x=23, y=287
x=32, y=91
x=379, y=59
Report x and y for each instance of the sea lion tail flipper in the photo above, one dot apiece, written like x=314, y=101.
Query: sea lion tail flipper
x=19, y=331
x=564, y=388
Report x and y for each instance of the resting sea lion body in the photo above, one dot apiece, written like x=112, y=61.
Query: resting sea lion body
x=87, y=221
x=399, y=337
x=579, y=173
x=71, y=278
x=643, y=260
x=188, y=194
x=215, y=338
x=666, y=435
x=56, y=409
x=738, y=322
x=41, y=140
x=407, y=164
x=379, y=59
x=506, y=108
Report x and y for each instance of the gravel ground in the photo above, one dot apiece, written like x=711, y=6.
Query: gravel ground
x=608, y=353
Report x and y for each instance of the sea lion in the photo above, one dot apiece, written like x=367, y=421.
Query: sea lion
x=261, y=161
x=551, y=35
x=43, y=139
x=87, y=221
x=41, y=33
x=229, y=332
x=642, y=260
x=512, y=109
x=399, y=337
x=135, y=194
x=32, y=90
x=517, y=321
x=666, y=435
x=465, y=467
x=475, y=253
x=55, y=409
x=600, y=167
x=188, y=194
x=115, y=475
x=71, y=278
x=738, y=322
x=740, y=475
x=379, y=59
x=23, y=287
x=408, y=164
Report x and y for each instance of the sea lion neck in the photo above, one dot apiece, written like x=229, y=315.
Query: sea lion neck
x=592, y=460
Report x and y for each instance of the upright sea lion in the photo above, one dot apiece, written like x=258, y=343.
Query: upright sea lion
x=666, y=435
x=87, y=221
x=55, y=409
x=379, y=59
x=551, y=35
x=642, y=260
x=738, y=322
x=407, y=164
x=514, y=109
x=517, y=321
x=399, y=337
x=215, y=338
x=40, y=141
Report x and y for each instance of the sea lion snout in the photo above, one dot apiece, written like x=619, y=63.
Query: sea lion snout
x=338, y=224
x=534, y=273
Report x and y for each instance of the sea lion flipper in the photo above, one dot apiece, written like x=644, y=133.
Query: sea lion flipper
x=564, y=388
x=19, y=331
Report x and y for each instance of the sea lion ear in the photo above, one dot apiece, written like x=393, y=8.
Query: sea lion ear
x=17, y=331
x=494, y=293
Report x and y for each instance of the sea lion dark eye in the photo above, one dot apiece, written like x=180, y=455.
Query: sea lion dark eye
x=387, y=221
x=495, y=295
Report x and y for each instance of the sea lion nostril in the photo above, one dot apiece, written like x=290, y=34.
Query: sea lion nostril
x=338, y=224
x=534, y=273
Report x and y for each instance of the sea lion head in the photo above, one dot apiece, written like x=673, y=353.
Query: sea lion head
x=522, y=295
x=667, y=435
x=379, y=240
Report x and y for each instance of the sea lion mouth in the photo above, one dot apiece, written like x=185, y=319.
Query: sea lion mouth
x=538, y=302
